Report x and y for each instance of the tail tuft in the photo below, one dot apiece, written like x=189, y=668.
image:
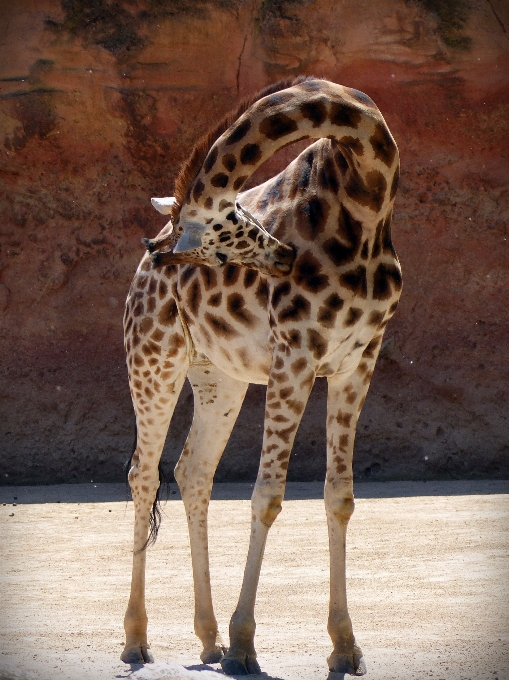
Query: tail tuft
x=155, y=514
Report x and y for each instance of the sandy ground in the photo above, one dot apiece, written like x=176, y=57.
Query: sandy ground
x=428, y=582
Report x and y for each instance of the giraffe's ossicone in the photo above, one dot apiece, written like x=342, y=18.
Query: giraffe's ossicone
x=287, y=281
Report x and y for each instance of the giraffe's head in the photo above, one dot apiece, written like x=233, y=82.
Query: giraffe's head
x=235, y=237
x=209, y=224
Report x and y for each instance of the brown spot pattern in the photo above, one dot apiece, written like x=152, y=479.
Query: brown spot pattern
x=198, y=190
x=370, y=192
x=307, y=274
x=163, y=289
x=280, y=290
x=262, y=293
x=235, y=304
x=250, y=154
x=297, y=310
x=327, y=313
x=343, y=419
x=186, y=274
x=239, y=182
x=238, y=132
x=146, y=324
x=292, y=338
x=315, y=111
x=353, y=315
x=356, y=281
x=344, y=115
x=384, y=276
x=278, y=125
x=231, y=274
x=229, y=161
x=157, y=335
x=220, y=327
x=250, y=277
x=383, y=145
x=369, y=351
x=220, y=180
x=327, y=176
x=353, y=144
x=209, y=277
x=376, y=318
x=350, y=232
x=210, y=160
x=194, y=297
x=215, y=299
x=316, y=343
x=223, y=204
x=302, y=177
x=168, y=313
x=312, y=217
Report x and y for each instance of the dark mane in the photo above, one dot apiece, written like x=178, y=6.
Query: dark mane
x=189, y=170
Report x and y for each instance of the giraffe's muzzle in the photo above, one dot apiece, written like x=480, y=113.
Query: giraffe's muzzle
x=284, y=259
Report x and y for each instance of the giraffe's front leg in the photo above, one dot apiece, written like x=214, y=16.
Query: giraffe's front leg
x=288, y=390
x=217, y=402
x=344, y=402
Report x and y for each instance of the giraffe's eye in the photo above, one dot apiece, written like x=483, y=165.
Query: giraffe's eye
x=222, y=258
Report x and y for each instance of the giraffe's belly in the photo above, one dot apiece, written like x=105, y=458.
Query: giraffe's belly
x=344, y=352
x=246, y=357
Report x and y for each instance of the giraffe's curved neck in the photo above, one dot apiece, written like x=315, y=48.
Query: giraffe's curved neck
x=314, y=109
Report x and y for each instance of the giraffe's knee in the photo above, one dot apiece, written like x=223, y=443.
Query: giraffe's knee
x=143, y=481
x=271, y=510
x=267, y=507
x=341, y=508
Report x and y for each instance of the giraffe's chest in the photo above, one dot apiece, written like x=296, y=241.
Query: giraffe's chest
x=226, y=311
x=236, y=318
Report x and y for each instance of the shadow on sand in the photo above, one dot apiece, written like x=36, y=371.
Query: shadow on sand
x=295, y=491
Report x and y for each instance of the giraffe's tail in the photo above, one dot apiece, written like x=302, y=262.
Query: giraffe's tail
x=155, y=513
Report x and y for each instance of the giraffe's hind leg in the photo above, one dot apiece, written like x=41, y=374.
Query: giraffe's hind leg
x=157, y=369
x=217, y=402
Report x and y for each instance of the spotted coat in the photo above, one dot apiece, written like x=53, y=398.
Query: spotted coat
x=276, y=285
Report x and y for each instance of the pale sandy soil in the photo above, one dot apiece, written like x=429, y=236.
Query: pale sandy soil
x=428, y=581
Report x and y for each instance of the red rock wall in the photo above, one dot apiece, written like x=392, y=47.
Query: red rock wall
x=100, y=101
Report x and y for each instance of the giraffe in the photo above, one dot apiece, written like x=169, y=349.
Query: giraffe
x=292, y=279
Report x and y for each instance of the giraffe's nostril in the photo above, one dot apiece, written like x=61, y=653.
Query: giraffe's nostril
x=285, y=257
x=283, y=267
x=285, y=254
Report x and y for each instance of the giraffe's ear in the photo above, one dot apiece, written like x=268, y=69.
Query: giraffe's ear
x=191, y=238
x=164, y=205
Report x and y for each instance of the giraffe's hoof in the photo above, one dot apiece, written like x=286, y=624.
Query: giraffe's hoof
x=213, y=655
x=353, y=664
x=135, y=655
x=246, y=666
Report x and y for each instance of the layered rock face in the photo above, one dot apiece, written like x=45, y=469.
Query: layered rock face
x=101, y=101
